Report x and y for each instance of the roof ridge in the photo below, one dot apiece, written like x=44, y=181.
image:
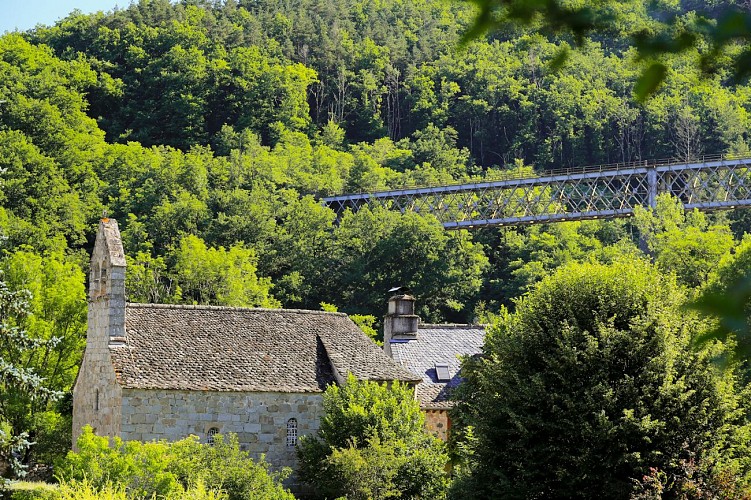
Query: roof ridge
x=139, y=305
x=434, y=326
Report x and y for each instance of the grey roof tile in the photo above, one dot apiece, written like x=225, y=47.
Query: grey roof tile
x=242, y=349
x=438, y=344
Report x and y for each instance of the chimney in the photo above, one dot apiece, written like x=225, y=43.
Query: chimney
x=400, y=323
x=107, y=287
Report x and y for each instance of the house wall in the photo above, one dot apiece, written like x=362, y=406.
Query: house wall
x=258, y=419
x=437, y=423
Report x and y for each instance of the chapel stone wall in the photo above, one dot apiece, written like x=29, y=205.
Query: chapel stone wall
x=259, y=419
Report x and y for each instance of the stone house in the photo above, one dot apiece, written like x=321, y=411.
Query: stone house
x=432, y=352
x=165, y=371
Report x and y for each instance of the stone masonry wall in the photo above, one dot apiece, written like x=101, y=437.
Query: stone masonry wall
x=96, y=396
x=437, y=423
x=258, y=419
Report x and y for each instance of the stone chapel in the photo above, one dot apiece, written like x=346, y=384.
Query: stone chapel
x=166, y=371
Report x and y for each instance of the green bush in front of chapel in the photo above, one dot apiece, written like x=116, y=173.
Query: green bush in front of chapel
x=170, y=470
x=372, y=445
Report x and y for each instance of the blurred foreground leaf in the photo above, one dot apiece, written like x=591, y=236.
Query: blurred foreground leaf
x=555, y=17
x=650, y=81
x=730, y=307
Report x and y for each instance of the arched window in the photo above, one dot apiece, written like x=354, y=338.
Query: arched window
x=210, y=435
x=292, y=432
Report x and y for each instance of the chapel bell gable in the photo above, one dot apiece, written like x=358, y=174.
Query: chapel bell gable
x=107, y=278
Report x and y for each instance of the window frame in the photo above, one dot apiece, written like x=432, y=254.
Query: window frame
x=292, y=434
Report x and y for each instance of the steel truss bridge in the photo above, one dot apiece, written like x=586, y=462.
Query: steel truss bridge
x=709, y=183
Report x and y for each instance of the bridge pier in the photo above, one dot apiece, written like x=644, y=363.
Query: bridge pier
x=652, y=187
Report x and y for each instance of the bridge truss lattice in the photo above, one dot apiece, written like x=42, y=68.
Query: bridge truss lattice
x=711, y=183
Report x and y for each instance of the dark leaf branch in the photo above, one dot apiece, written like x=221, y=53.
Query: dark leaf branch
x=553, y=17
x=730, y=308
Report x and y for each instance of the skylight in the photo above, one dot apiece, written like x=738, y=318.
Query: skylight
x=442, y=372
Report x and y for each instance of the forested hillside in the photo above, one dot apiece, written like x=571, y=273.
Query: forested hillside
x=208, y=129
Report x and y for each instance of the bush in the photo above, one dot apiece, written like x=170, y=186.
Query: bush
x=84, y=490
x=591, y=384
x=371, y=445
x=24, y=490
x=168, y=469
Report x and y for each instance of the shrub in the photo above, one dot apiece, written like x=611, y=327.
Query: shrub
x=591, y=384
x=372, y=444
x=24, y=490
x=167, y=469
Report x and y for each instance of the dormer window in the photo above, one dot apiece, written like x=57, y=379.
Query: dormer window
x=442, y=372
x=292, y=432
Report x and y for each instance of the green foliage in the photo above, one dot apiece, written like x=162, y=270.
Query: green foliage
x=591, y=382
x=169, y=470
x=217, y=276
x=383, y=101
x=727, y=297
x=12, y=448
x=683, y=243
x=85, y=490
x=730, y=30
x=23, y=490
x=372, y=444
x=376, y=249
x=366, y=323
x=20, y=383
x=56, y=327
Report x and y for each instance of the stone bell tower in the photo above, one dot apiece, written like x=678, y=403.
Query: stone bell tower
x=96, y=396
x=107, y=286
x=400, y=323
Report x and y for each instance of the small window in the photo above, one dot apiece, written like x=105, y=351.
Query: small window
x=210, y=435
x=442, y=372
x=292, y=432
x=95, y=273
x=96, y=400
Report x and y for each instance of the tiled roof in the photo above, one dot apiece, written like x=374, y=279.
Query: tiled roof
x=437, y=344
x=238, y=349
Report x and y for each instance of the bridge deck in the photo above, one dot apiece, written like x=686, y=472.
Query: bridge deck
x=712, y=183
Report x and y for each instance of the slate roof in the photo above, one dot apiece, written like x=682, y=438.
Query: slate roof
x=437, y=344
x=239, y=349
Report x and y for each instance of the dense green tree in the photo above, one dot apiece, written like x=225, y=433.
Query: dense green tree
x=20, y=384
x=375, y=250
x=57, y=325
x=592, y=382
x=726, y=297
x=683, y=243
x=372, y=445
x=206, y=275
